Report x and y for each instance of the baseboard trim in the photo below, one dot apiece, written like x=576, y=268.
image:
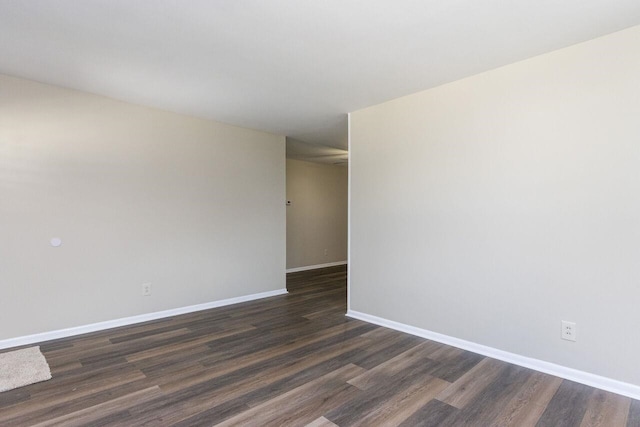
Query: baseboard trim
x=597, y=381
x=313, y=267
x=100, y=326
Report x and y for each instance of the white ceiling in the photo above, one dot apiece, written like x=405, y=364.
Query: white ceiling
x=291, y=67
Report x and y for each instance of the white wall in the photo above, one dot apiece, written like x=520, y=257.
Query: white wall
x=137, y=195
x=492, y=208
x=317, y=216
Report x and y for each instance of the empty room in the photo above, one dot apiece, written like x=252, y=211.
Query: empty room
x=319, y=213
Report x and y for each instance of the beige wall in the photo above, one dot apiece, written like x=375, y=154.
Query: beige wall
x=317, y=216
x=492, y=208
x=137, y=195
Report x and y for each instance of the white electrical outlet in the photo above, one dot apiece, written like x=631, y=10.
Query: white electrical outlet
x=569, y=331
x=146, y=289
x=326, y=252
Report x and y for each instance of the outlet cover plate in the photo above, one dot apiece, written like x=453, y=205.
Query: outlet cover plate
x=569, y=331
x=146, y=289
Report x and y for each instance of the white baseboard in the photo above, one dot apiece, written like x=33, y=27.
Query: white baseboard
x=313, y=267
x=100, y=326
x=597, y=381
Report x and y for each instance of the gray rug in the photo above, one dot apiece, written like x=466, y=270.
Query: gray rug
x=22, y=367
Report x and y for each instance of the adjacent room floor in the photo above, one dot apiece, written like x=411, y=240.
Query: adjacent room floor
x=293, y=360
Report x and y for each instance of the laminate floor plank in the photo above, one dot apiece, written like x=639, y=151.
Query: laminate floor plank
x=91, y=415
x=292, y=360
x=18, y=396
x=251, y=366
x=371, y=401
x=260, y=391
x=485, y=407
x=321, y=422
x=454, y=365
x=606, y=410
x=432, y=414
x=383, y=350
x=377, y=376
x=467, y=387
x=155, y=355
x=302, y=372
x=49, y=396
x=213, y=416
x=567, y=407
x=247, y=387
x=527, y=405
x=61, y=405
x=633, y=419
x=287, y=409
x=399, y=406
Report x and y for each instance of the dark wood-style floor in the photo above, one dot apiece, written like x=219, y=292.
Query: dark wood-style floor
x=293, y=360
